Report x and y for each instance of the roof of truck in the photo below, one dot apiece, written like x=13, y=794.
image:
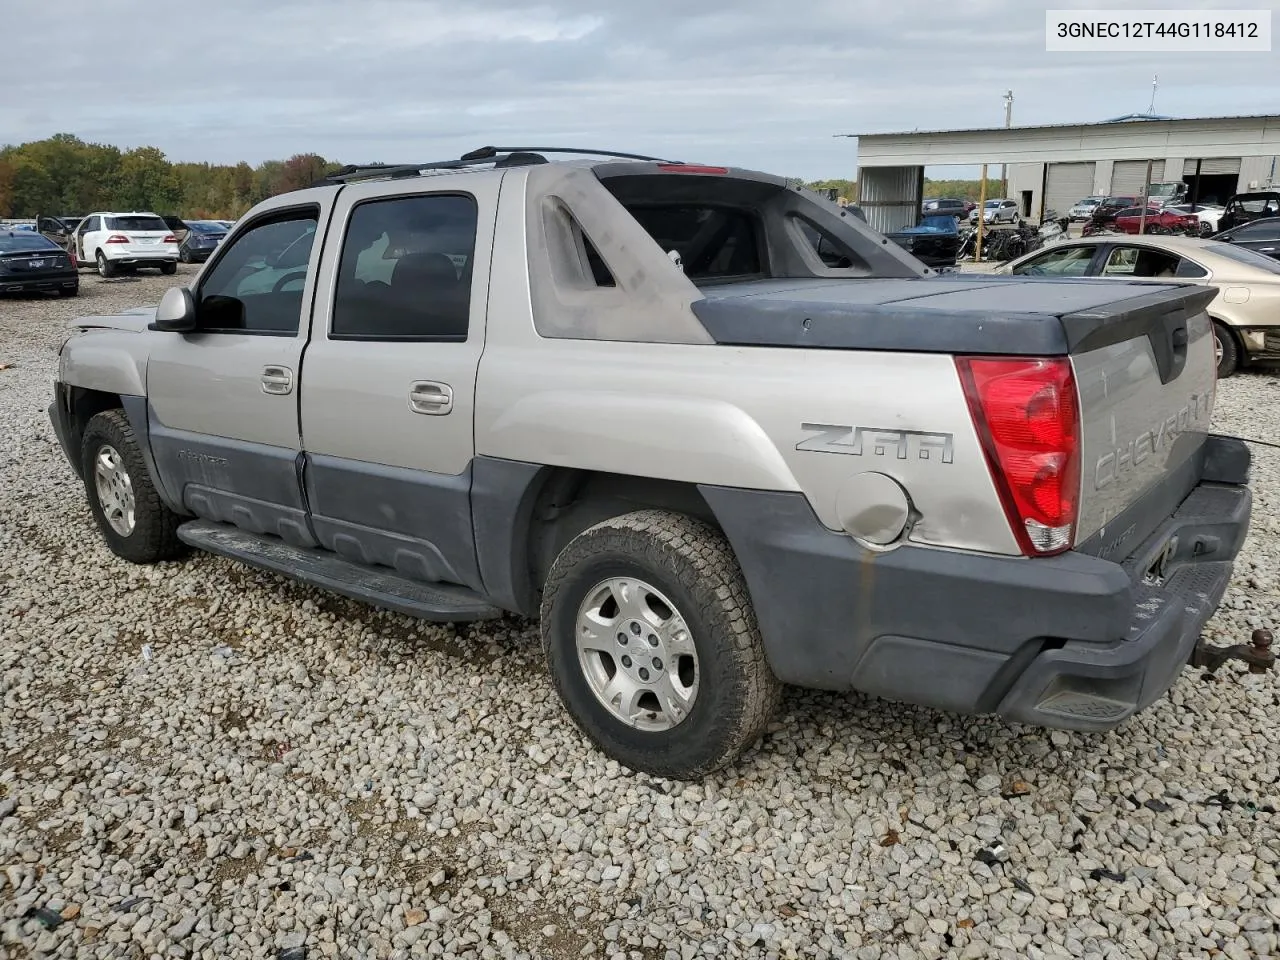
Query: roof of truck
x=490, y=158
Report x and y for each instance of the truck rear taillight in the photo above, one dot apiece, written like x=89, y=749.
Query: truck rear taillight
x=1027, y=416
x=116, y=238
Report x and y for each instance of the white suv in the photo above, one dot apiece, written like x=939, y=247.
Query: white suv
x=112, y=241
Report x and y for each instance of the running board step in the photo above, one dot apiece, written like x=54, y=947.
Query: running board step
x=321, y=568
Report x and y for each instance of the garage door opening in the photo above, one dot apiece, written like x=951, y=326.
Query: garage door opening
x=1213, y=188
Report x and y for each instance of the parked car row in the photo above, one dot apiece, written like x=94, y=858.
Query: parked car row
x=44, y=254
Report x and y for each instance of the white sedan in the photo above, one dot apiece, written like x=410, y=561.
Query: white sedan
x=1207, y=213
x=1245, y=313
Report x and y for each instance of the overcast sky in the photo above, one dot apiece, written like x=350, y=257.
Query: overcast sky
x=757, y=83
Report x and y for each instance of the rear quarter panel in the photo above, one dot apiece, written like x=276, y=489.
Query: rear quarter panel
x=759, y=418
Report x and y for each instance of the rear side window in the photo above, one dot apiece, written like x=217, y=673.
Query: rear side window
x=137, y=223
x=405, y=272
x=713, y=242
x=1140, y=262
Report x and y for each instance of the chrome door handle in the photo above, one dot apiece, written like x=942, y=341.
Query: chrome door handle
x=430, y=397
x=277, y=381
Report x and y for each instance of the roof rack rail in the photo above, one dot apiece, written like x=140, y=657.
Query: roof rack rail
x=489, y=153
x=498, y=156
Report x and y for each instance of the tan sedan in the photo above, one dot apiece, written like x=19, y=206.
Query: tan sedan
x=1246, y=312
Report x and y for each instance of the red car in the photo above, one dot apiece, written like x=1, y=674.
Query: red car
x=1158, y=221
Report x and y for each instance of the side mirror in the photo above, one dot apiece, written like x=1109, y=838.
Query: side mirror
x=176, y=313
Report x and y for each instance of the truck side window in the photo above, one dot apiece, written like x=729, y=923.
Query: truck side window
x=405, y=272
x=256, y=285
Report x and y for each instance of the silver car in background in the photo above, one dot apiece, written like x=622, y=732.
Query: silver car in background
x=1083, y=210
x=996, y=211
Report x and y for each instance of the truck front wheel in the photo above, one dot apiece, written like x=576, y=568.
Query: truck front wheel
x=136, y=524
x=653, y=647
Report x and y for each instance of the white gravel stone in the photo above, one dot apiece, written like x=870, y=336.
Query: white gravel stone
x=292, y=768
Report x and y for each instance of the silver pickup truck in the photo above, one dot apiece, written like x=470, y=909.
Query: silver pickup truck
x=716, y=433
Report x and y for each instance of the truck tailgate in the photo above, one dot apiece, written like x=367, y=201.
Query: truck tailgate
x=1146, y=375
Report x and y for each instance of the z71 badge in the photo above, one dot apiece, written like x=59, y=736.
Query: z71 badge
x=853, y=441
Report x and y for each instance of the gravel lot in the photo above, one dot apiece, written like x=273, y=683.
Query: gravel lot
x=201, y=760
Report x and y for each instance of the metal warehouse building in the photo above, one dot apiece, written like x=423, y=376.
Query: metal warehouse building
x=1051, y=167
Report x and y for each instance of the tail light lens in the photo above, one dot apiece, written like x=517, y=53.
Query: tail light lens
x=116, y=238
x=170, y=239
x=1027, y=416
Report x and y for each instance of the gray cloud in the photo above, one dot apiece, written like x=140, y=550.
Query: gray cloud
x=761, y=84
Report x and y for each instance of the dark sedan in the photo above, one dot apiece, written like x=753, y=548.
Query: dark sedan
x=1260, y=236
x=203, y=237
x=935, y=242
x=31, y=263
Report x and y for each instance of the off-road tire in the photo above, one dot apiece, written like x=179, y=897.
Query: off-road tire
x=168, y=268
x=106, y=269
x=693, y=565
x=1230, y=361
x=154, y=536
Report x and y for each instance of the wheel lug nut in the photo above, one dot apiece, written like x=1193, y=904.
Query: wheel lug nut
x=622, y=639
x=644, y=674
x=626, y=661
x=635, y=628
x=653, y=641
x=657, y=664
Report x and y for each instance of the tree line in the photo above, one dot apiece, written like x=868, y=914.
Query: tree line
x=951, y=189
x=65, y=175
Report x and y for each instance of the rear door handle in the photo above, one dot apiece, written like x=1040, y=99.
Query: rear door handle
x=277, y=381
x=430, y=397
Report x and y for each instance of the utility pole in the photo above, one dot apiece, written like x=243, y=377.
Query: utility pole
x=1008, y=122
x=982, y=215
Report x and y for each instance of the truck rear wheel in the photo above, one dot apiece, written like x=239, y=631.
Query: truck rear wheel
x=136, y=524
x=653, y=646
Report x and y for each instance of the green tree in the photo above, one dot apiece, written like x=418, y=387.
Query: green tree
x=145, y=180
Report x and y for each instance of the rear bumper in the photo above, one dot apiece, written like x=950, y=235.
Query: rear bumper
x=47, y=283
x=1260, y=342
x=141, y=258
x=1073, y=641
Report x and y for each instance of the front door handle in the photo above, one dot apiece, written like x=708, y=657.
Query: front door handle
x=430, y=397
x=277, y=381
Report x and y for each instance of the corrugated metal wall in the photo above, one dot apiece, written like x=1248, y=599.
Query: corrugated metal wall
x=1211, y=165
x=1129, y=177
x=1258, y=170
x=890, y=196
x=1067, y=184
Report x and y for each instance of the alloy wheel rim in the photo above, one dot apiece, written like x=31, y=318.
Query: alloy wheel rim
x=637, y=654
x=115, y=490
